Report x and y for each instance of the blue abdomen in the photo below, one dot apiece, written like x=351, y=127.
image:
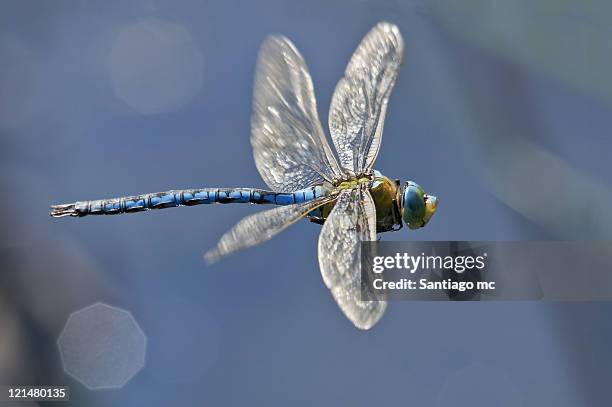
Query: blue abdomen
x=186, y=197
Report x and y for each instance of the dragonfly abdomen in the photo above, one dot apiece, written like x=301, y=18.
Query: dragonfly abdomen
x=185, y=197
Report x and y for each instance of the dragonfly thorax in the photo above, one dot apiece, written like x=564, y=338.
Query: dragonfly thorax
x=354, y=182
x=385, y=194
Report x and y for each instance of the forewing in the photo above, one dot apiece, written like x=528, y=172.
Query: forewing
x=262, y=226
x=358, y=107
x=352, y=221
x=289, y=146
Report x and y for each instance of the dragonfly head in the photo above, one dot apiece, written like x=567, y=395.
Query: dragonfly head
x=417, y=207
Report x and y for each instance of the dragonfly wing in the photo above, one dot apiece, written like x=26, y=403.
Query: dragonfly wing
x=262, y=226
x=289, y=145
x=358, y=107
x=352, y=221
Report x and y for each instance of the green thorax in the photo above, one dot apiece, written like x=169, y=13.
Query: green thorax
x=384, y=193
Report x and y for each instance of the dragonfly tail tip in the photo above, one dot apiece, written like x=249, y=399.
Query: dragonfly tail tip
x=59, y=211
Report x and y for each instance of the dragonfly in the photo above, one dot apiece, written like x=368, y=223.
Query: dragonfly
x=344, y=193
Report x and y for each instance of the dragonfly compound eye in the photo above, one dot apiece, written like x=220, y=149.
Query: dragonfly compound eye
x=417, y=206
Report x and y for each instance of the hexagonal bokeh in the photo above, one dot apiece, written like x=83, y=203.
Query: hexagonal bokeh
x=102, y=346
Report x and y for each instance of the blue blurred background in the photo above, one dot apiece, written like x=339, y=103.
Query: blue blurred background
x=503, y=109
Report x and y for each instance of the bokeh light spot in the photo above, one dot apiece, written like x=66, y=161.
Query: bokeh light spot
x=102, y=346
x=155, y=66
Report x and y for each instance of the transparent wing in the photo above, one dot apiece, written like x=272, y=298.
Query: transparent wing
x=352, y=221
x=262, y=226
x=289, y=146
x=358, y=107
